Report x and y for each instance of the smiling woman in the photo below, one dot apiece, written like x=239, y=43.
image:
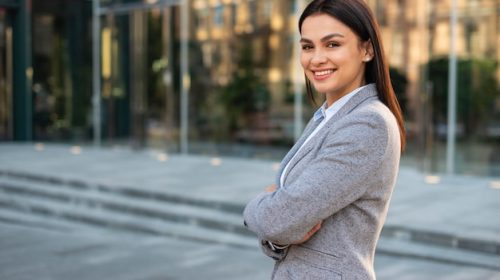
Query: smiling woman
x=333, y=62
x=324, y=215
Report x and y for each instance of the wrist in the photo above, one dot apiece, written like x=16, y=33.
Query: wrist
x=276, y=247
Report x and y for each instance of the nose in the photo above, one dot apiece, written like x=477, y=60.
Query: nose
x=318, y=58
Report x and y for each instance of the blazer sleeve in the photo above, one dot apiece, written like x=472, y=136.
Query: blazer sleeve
x=339, y=175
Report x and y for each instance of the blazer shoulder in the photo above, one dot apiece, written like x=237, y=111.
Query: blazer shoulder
x=373, y=110
x=371, y=125
x=377, y=115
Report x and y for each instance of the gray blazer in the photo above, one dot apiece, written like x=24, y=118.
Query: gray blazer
x=344, y=176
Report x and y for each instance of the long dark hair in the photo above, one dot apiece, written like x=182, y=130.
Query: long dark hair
x=358, y=17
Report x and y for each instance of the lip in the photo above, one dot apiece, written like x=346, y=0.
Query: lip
x=322, y=74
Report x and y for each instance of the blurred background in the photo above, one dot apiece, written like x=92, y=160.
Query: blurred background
x=238, y=90
x=162, y=118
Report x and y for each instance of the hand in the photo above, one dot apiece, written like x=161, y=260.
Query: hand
x=271, y=188
x=310, y=233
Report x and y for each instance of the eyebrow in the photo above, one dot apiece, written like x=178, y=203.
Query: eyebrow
x=326, y=38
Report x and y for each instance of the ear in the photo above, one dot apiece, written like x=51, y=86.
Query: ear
x=368, y=51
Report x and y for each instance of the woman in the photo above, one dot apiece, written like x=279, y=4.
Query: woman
x=324, y=218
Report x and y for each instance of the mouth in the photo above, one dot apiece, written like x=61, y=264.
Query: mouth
x=322, y=74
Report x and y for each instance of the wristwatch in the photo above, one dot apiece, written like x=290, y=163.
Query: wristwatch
x=275, y=247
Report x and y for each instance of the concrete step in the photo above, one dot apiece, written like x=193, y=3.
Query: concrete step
x=16, y=217
x=429, y=236
x=404, y=248
x=156, y=212
x=445, y=239
x=123, y=190
x=114, y=202
x=100, y=218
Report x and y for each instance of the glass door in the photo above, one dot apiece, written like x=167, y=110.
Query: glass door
x=5, y=75
x=61, y=78
x=139, y=95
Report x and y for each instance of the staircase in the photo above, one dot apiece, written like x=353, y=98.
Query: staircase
x=68, y=205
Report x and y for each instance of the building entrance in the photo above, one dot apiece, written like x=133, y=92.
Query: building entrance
x=140, y=100
x=6, y=76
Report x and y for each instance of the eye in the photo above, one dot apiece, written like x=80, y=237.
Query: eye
x=306, y=47
x=332, y=45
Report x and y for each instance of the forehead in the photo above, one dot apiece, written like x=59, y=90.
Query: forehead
x=319, y=25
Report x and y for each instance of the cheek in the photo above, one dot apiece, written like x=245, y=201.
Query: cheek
x=342, y=57
x=356, y=57
x=349, y=61
x=304, y=61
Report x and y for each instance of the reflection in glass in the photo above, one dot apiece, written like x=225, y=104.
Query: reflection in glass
x=243, y=76
x=139, y=74
x=5, y=76
x=61, y=81
x=478, y=115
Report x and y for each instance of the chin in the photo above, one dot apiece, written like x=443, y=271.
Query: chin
x=324, y=88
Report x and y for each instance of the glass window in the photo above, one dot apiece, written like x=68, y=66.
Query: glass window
x=418, y=48
x=242, y=103
x=140, y=89
x=61, y=79
x=243, y=84
x=6, y=75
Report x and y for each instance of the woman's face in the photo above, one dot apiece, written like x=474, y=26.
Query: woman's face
x=333, y=57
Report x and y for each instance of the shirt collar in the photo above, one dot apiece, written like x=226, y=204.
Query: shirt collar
x=320, y=113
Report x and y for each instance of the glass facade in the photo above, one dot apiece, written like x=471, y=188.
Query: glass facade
x=139, y=91
x=61, y=85
x=5, y=75
x=242, y=74
x=246, y=89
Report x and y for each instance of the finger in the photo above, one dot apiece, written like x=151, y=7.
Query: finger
x=271, y=188
x=312, y=231
x=316, y=227
x=308, y=235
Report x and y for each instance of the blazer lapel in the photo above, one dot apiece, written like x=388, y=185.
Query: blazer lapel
x=307, y=131
x=369, y=91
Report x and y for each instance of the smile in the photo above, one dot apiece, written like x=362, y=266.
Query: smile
x=324, y=72
x=319, y=75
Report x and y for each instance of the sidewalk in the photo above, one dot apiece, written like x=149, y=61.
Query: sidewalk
x=456, y=212
x=92, y=255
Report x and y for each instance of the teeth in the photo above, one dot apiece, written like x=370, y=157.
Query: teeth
x=324, y=72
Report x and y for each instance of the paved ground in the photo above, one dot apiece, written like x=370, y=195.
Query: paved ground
x=456, y=211
x=458, y=205
x=43, y=255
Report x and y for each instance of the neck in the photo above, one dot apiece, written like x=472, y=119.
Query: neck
x=333, y=97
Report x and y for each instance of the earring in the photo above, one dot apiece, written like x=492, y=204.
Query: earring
x=367, y=59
